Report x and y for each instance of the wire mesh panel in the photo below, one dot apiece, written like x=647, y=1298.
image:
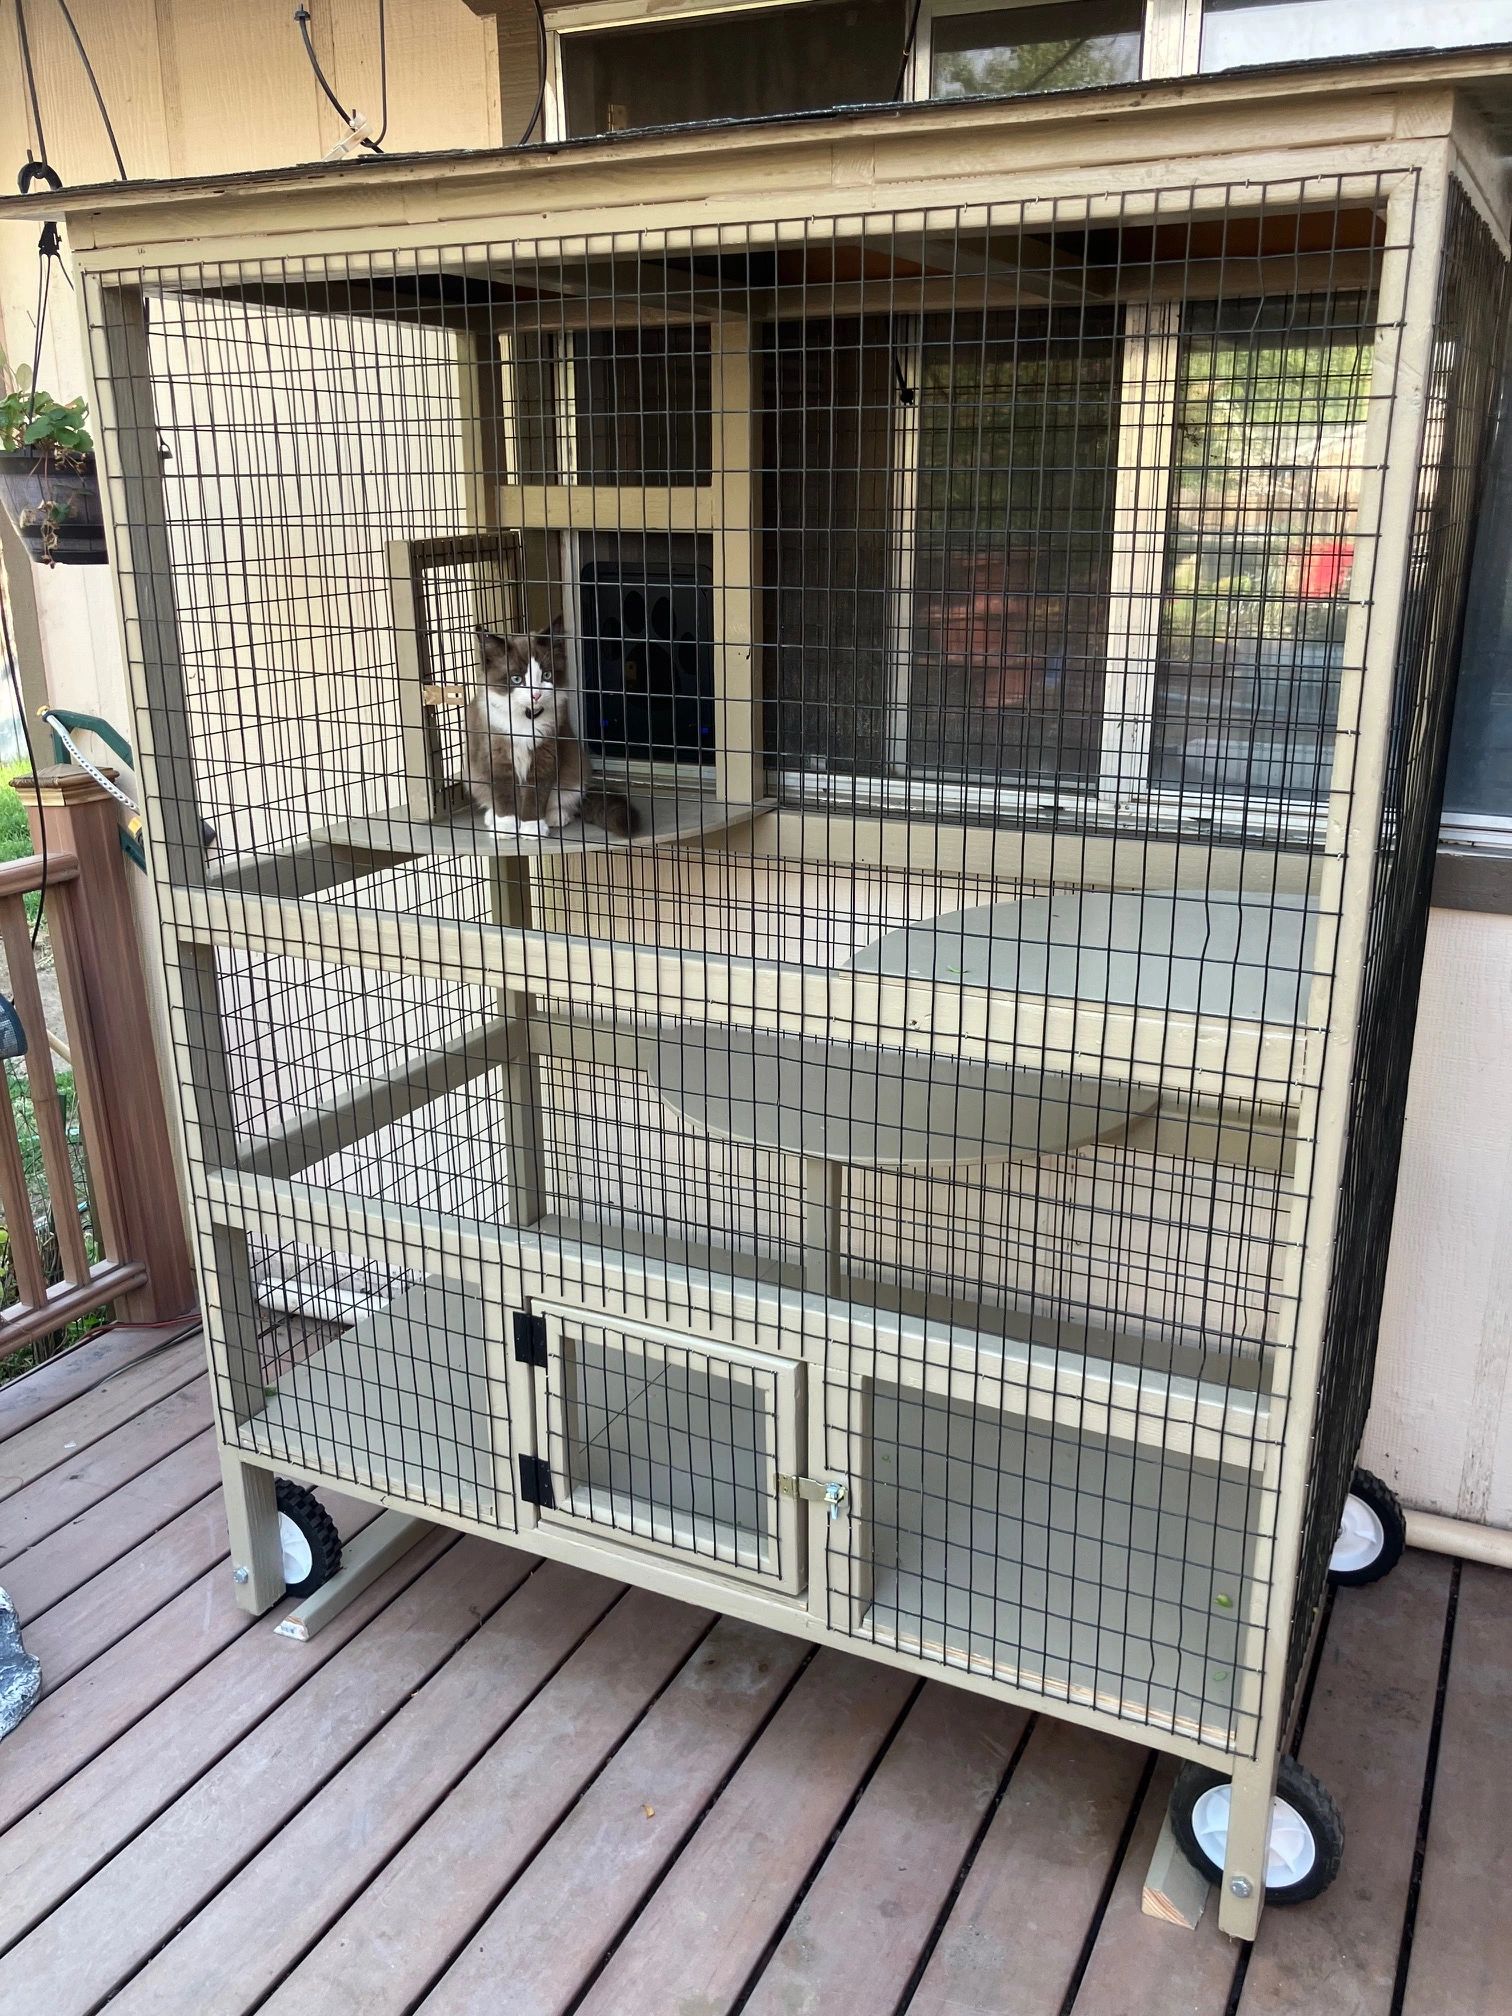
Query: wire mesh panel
x=779, y=800
x=692, y=1450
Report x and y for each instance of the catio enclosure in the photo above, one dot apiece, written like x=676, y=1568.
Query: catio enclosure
x=929, y=1190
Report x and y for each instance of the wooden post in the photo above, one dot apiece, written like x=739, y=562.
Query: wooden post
x=79, y=818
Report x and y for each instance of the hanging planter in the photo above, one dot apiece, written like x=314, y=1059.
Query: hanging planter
x=48, y=483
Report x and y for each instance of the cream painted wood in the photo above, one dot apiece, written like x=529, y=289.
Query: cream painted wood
x=637, y=1501
x=252, y=1520
x=664, y=822
x=1192, y=1055
x=1146, y=430
x=595, y=507
x=1212, y=1414
x=1415, y=219
x=1172, y=45
x=736, y=458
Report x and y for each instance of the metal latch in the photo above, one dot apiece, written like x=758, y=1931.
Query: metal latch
x=826, y=1491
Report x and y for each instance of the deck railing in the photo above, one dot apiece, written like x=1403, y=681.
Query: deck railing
x=110, y=1228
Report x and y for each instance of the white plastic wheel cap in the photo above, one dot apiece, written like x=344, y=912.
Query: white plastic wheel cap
x=1290, y=1850
x=298, y=1556
x=1361, y=1538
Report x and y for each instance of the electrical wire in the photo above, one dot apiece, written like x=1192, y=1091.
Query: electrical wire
x=348, y=119
x=13, y=669
x=31, y=86
x=540, y=101
x=94, y=85
x=908, y=49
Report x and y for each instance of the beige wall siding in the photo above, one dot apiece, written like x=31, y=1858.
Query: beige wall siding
x=1441, y=1426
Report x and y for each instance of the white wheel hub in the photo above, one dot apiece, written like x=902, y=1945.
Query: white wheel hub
x=298, y=1555
x=1361, y=1538
x=1290, y=1850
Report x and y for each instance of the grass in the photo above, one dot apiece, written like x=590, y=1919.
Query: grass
x=15, y=834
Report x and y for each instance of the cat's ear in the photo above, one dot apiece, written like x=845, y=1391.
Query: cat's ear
x=553, y=642
x=495, y=649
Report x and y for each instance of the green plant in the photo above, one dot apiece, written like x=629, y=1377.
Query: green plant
x=33, y=419
x=15, y=834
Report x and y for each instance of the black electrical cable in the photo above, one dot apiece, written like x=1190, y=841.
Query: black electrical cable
x=540, y=101
x=13, y=669
x=302, y=21
x=31, y=83
x=377, y=144
x=908, y=49
x=94, y=85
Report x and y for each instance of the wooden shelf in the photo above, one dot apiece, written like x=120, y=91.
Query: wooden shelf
x=882, y=1109
x=1231, y=955
x=1107, y=1575
x=665, y=822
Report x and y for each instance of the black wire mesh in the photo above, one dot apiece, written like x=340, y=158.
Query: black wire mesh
x=897, y=1138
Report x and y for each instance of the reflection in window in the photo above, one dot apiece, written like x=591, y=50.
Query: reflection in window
x=1061, y=47
x=1012, y=541
x=1269, y=452
x=1235, y=32
x=741, y=66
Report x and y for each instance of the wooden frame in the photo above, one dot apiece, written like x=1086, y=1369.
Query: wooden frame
x=920, y=162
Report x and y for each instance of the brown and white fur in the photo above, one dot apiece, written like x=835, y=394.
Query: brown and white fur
x=526, y=769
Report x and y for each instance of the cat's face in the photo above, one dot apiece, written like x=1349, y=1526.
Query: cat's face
x=525, y=679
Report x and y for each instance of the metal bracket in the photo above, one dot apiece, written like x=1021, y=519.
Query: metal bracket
x=530, y=1339
x=829, y=1492
x=535, y=1484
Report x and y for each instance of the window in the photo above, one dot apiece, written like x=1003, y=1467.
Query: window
x=735, y=66
x=1270, y=415
x=1063, y=46
x=1011, y=544
x=1235, y=32
x=1478, y=790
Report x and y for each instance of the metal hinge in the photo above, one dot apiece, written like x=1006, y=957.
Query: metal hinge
x=826, y=1491
x=530, y=1339
x=535, y=1483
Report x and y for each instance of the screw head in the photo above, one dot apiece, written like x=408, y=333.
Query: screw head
x=1242, y=1887
x=241, y=1575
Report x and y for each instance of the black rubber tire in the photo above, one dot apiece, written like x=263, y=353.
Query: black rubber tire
x=1387, y=1507
x=1301, y=1790
x=319, y=1529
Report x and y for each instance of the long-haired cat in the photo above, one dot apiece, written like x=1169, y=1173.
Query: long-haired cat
x=526, y=769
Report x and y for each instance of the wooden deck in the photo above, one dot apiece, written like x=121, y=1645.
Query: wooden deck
x=503, y=1786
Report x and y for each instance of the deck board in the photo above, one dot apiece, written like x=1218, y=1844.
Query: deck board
x=94, y=1476
x=98, y=1937
x=409, y=1923
x=74, y=1554
x=100, y=1804
x=35, y=1394
x=862, y=1928
x=1016, y=1931
x=1367, y=1735
x=40, y=1447
x=706, y=1928
x=1462, y=1944
x=492, y=1783
x=1139, y=1966
x=546, y=1936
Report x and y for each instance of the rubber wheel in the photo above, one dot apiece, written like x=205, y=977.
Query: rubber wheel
x=311, y=1544
x=1306, y=1830
x=1372, y=1533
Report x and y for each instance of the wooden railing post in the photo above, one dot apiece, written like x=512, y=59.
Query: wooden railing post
x=102, y=963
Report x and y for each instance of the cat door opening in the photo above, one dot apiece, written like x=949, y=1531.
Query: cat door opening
x=676, y=1446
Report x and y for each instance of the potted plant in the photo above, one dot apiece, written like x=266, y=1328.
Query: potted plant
x=48, y=482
